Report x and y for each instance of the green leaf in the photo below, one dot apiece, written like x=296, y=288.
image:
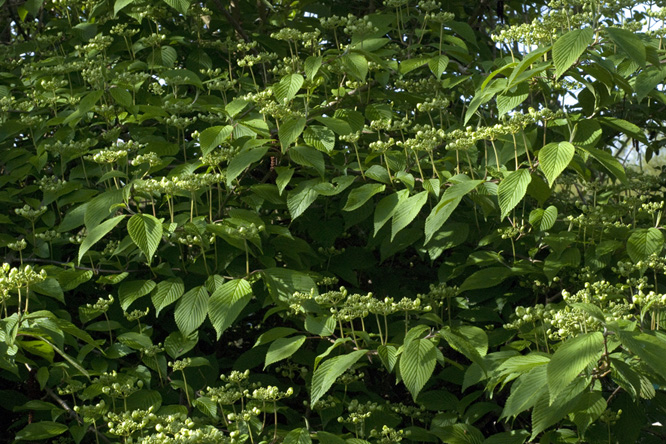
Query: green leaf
x=84, y=107
x=628, y=42
x=526, y=391
x=417, y=363
x=298, y=436
x=647, y=80
x=548, y=413
x=179, y=5
x=177, y=344
x=120, y=4
x=388, y=354
x=309, y=157
x=96, y=234
x=554, y=158
x=320, y=137
x=543, y=220
x=284, y=175
x=356, y=65
x=486, y=278
x=40, y=430
x=289, y=131
x=571, y=359
x=283, y=348
x=512, y=98
x=358, y=196
x=130, y=291
x=300, y=198
x=568, y=48
x=288, y=87
x=312, y=65
x=512, y=189
x=438, y=65
x=447, y=204
x=243, y=160
x=644, y=242
x=386, y=208
x=191, y=310
x=406, y=211
x=326, y=374
x=168, y=291
x=146, y=232
x=512, y=437
x=648, y=347
x=227, y=302
x=273, y=334
x=212, y=137
x=607, y=161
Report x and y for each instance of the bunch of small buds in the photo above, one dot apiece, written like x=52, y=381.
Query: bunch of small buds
x=180, y=365
x=19, y=245
x=91, y=413
x=125, y=387
x=51, y=184
x=244, y=415
x=271, y=393
x=12, y=278
x=151, y=158
x=387, y=435
x=72, y=387
x=79, y=236
x=30, y=213
x=135, y=315
x=439, y=294
x=101, y=304
x=351, y=376
x=153, y=350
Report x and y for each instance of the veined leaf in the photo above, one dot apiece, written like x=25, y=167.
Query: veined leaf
x=212, y=137
x=438, y=65
x=226, y=303
x=146, y=232
x=312, y=65
x=447, y=204
x=628, y=42
x=326, y=374
x=191, y=310
x=356, y=65
x=179, y=5
x=417, y=364
x=320, y=137
x=646, y=346
x=406, y=211
x=485, y=278
x=554, y=158
x=282, y=348
x=644, y=242
x=289, y=131
x=40, y=430
x=525, y=392
x=571, y=359
x=298, y=436
x=512, y=189
x=647, y=80
x=358, y=196
x=243, y=160
x=300, y=198
x=288, y=87
x=98, y=233
x=386, y=208
x=568, y=48
x=130, y=291
x=168, y=292
x=543, y=220
x=607, y=161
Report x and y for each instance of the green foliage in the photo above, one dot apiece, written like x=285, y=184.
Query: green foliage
x=331, y=222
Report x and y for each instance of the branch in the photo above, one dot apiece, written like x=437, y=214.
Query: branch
x=237, y=26
x=61, y=402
